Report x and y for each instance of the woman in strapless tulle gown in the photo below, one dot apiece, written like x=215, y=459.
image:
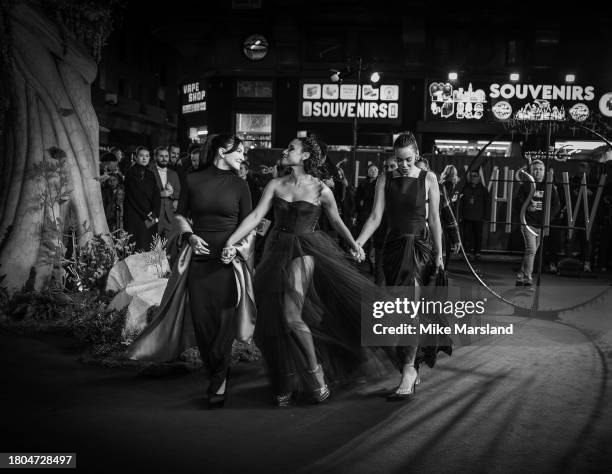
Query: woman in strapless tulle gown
x=308, y=294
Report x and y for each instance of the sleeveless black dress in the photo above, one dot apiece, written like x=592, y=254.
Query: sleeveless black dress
x=408, y=253
x=330, y=308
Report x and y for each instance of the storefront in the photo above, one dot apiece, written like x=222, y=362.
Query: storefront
x=267, y=113
x=511, y=121
x=193, y=113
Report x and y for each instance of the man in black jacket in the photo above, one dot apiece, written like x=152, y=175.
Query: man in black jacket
x=533, y=219
x=475, y=209
x=142, y=201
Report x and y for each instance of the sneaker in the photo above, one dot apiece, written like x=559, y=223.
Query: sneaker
x=520, y=280
x=528, y=282
x=587, y=266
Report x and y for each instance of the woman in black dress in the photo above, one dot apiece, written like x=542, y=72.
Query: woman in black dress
x=412, y=250
x=216, y=200
x=308, y=295
x=142, y=201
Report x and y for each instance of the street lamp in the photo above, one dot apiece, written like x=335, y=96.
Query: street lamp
x=338, y=75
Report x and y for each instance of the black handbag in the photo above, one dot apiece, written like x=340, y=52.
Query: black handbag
x=441, y=277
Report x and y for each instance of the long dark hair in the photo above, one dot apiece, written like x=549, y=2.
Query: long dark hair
x=214, y=142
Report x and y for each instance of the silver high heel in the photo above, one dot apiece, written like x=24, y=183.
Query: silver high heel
x=403, y=394
x=321, y=393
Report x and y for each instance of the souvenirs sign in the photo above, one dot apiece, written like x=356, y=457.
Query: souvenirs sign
x=528, y=102
x=448, y=102
x=539, y=102
x=329, y=102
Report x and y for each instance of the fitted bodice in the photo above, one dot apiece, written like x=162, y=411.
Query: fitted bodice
x=405, y=201
x=297, y=217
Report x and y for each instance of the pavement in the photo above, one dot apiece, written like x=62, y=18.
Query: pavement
x=539, y=402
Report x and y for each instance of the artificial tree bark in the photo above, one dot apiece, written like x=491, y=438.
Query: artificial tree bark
x=50, y=106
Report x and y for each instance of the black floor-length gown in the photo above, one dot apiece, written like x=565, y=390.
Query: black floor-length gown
x=217, y=201
x=408, y=252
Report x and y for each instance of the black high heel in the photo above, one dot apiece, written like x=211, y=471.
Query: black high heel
x=217, y=400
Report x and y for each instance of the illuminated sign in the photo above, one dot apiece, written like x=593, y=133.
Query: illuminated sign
x=321, y=102
x=501, y=102
x=544, y=102
x=193, y=97
x=605, y=104
x=447, y=102
x=544, y=92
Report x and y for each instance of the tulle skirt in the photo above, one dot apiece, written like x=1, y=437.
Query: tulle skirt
x=305, y=283
x=409, y=259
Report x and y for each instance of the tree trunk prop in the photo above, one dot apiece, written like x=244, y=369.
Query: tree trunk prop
x=50, y=106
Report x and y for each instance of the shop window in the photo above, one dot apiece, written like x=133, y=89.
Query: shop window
x=254, y=89
x=255, y=130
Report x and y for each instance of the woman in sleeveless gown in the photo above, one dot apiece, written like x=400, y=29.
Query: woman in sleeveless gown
x=308, y=295
x=412, y=250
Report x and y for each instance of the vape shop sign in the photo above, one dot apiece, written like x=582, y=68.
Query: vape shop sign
x=193, y=97
x=323, y=102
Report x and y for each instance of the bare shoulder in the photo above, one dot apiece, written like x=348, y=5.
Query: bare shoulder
x=432, y=178
x=274, y=183
x=325, y=190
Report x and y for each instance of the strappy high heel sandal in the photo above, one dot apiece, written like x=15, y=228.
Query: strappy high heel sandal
x=401, y=395
x=321, y=393
x=287, y=398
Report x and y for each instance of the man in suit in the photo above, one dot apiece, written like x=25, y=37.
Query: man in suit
x=169, y=187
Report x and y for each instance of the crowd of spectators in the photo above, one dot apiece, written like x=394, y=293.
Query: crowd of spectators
x=140, y=192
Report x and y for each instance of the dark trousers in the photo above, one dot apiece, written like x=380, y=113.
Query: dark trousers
x=212, y=299
x=553, y=246
x=579, y=241
x=472, y=235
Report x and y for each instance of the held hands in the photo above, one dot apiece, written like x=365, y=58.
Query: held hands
x=455, y=247
x=358, y=253
x=198, y=245
x=228, y=254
